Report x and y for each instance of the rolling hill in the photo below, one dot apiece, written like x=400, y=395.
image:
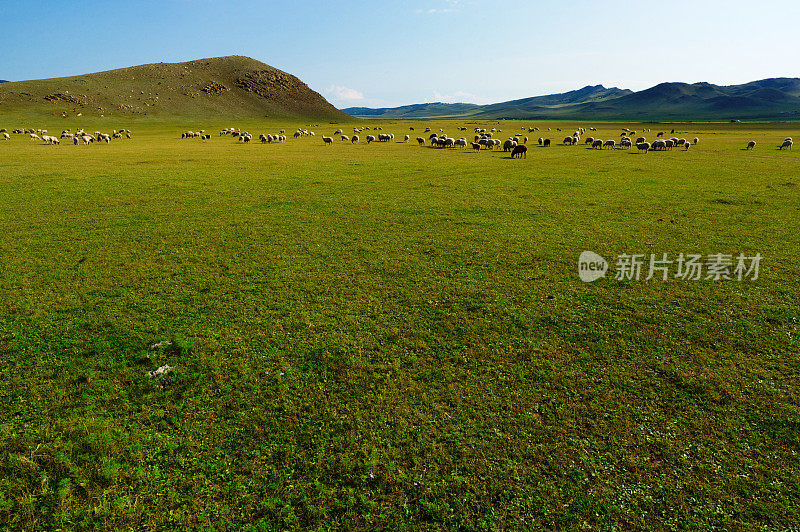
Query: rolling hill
x=776, y=98
x=234, y=86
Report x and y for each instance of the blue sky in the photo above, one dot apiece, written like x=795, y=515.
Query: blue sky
x=383, y=53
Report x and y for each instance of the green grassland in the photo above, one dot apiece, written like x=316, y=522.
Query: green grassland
x=394, y=337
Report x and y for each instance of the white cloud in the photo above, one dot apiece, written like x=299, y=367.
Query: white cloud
x=460, y=97
x=344, y=93
x=450, y=7
x=434, y=11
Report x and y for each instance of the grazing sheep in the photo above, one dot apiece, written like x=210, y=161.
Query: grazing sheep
x=462, y=143
x=659, y=144
x=660, y=134
x=520, y=150
x=525, y=141
x=475, y=146
x=589, y=140
x=670, y=144
x=546, y=143
x=686, y=146
x=643, y=146
x=5, y=136
x=338, y=132
x=640, y=140
x=407, y=137
x=421, y=141
x=597, y=144
x=568, y=141
x=610, y=144
x=34, y=136
x=751, y=145
x=327, y=140
x=370, y=138
x=509, y=145
x=786, y=144
x=354, y=139
x=696, y=140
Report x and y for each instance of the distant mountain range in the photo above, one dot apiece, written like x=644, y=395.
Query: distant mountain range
x=775, y=98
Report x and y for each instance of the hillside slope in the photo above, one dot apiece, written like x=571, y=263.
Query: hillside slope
x=232, y=86
x=776, y=98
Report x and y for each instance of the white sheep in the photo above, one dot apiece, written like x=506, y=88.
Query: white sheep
x=327, y=140
x=5, y=136
x=751, y=145
x=407, y=138
x=786, y=144
x=355, y=139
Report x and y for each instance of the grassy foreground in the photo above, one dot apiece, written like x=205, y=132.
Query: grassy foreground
x=389, y=336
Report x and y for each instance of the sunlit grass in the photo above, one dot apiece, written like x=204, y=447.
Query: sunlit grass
x=394, y=336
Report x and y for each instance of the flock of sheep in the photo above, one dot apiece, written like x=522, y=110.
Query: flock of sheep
x=517, y=144
x=483, y=138
x=79, y=136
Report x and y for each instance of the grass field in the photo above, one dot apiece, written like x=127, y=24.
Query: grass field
x=395, y=337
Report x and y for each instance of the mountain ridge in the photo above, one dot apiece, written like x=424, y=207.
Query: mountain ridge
x=768, y=98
